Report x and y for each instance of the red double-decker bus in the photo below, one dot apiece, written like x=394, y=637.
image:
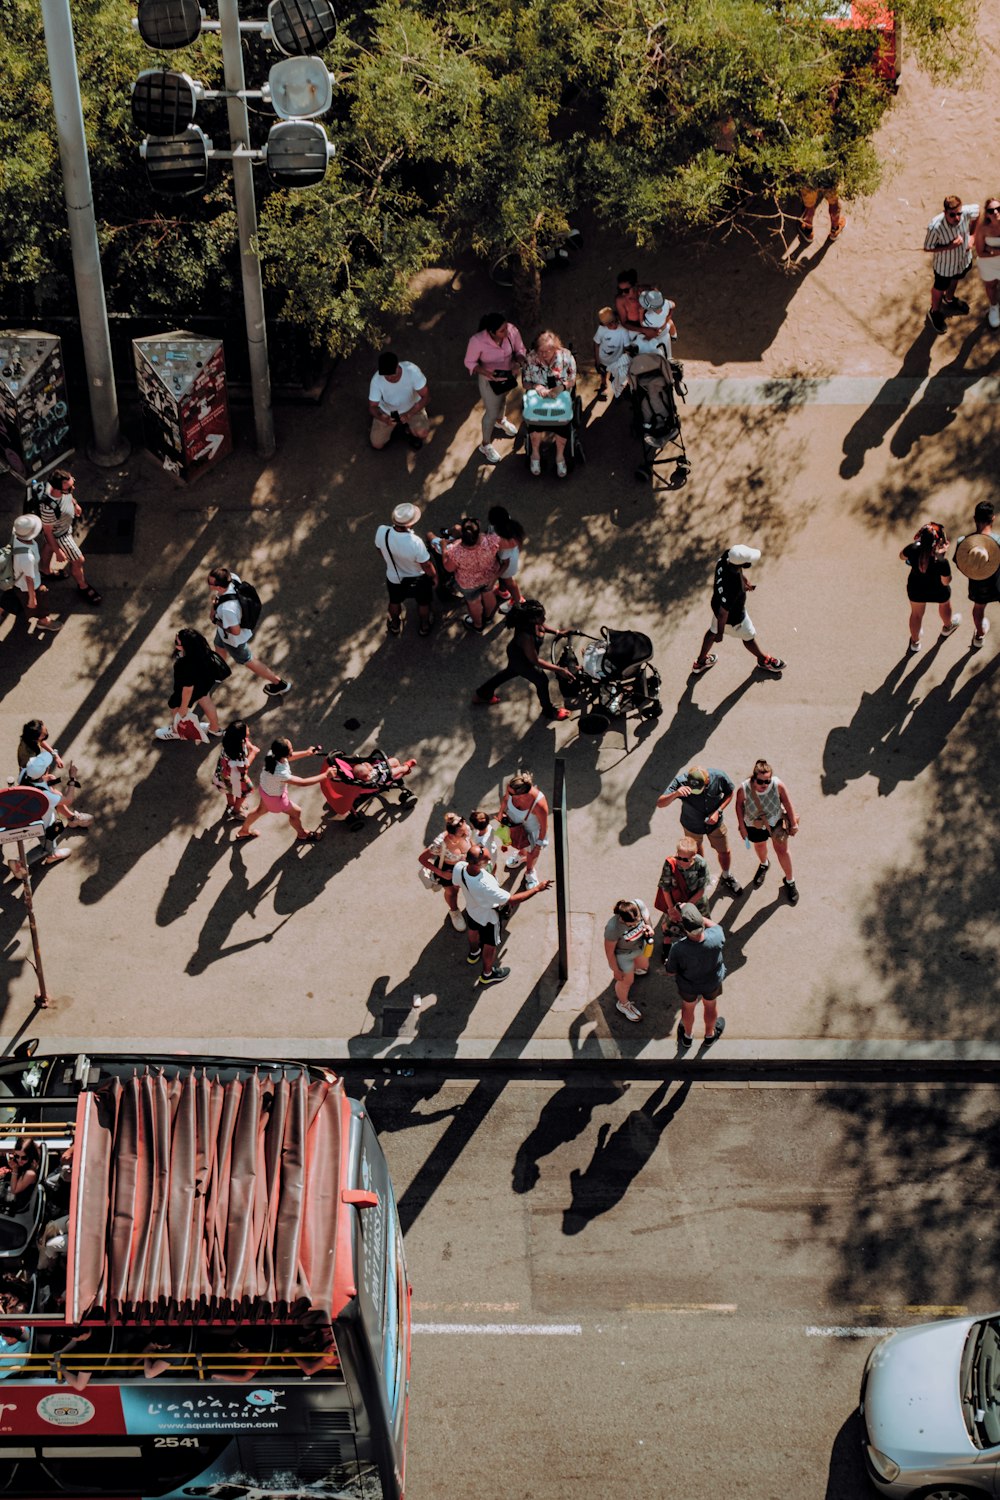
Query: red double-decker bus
x=202, y=1284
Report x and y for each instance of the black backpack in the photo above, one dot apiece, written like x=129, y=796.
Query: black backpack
x=249, y=601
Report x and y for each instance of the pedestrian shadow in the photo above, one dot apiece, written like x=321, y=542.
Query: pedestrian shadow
x=737, y=938
x=852, y=750
x=888, y=405
x=688, y=732
x=197, y=861
x=564, y=1116
x=237, y=899
x=939, y=404
x=619, y=1156
x=917, y=744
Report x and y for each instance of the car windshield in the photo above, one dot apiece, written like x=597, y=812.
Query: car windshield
x=980, y=1377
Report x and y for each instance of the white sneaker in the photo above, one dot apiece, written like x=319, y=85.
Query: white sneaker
x=507, y=428
x=57, y=856
x=993, y=316
x=514, y=861
x=628, y=1010
x=977, y=640
x=457, y=920
x=561, y=468
x=166, y=733
x=489, y=453
x=531, y=881
x=80, y=820
x=536, y=466
x=956, y=621
x=506, y=607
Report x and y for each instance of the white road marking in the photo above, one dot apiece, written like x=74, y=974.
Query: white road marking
x=846, y=1331
x=523, y=1330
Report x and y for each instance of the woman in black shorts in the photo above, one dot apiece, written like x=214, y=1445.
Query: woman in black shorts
x=929, y=580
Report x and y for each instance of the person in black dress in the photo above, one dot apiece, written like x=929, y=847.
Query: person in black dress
x=527, y=621
x=929, y=580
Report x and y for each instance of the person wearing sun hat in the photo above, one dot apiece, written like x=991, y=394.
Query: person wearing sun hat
x=978, y=557
x=22, y=597
x=729, y=611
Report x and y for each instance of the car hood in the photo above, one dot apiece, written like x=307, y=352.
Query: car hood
x=912, y=1403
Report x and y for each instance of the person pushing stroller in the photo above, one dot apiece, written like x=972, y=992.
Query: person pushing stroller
x=527, y=621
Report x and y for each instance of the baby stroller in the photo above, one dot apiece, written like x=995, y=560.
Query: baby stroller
x=655, y=382
x=612, y=680
x=558, y=412
x=349, y=791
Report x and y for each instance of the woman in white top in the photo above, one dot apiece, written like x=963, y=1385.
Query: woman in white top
x=441, y=857
x=986, y=243
x=275, y=779
x=526, y=813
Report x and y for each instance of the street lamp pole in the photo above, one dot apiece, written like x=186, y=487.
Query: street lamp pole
x=109, y=447
x=246, y=221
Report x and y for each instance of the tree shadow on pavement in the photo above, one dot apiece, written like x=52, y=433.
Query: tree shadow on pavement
x=931, y=947
x=923, y=1227
x=619, y=1156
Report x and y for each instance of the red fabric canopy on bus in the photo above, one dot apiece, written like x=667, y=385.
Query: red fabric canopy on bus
x=198, y=1200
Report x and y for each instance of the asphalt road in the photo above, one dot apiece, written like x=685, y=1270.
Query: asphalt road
x=665, y=1291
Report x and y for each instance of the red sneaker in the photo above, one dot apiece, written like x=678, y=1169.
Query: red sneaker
x=560, y=713
x=478, y=702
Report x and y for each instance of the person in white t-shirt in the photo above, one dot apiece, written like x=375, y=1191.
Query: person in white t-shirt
x=483, y=899
x=232, y=638
x=610, y=343
x=409, y=572
x=397, y=396
x=657, y=324
x=22, y=598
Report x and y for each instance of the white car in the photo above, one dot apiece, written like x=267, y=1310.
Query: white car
x=930, y=1402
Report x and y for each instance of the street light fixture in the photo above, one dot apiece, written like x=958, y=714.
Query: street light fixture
x=163, y=102
x=299, y=88
x=297, y=153
x=177, y=164
x=301, y=26
x=168, y=24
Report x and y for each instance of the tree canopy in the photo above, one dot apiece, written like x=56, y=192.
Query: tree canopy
x=457, y=126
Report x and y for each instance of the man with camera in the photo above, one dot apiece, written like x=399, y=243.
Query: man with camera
x=397, y=397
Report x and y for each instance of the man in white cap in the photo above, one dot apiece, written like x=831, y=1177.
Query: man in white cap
x=22, y=597
x=409, y=572
x=729, y=611
x=978, y=557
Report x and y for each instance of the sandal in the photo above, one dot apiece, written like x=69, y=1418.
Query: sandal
x=253, y=834
x=90, y=594
x=310, y=838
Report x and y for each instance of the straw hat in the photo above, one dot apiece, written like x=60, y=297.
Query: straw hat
x=978, y=556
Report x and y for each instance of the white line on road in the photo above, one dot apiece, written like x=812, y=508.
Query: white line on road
x=557, y=1330
x=846, y=1331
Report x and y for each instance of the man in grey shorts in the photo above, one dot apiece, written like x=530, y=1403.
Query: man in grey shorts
x=231, y=637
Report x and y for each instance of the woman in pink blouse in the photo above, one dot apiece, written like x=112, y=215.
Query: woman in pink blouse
x=493, y=356
x=473, y=560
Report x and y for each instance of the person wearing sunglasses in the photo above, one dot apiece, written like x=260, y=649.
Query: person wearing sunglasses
x=764, y=811
x=986, y=244
x=948, y=240
x=684, y=878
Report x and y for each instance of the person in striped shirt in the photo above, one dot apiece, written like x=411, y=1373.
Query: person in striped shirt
x=947, y=240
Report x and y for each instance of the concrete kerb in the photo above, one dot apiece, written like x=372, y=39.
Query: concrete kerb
x=821, y=1061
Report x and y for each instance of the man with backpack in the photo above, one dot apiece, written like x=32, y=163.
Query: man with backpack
x=20, y=576
x=236, y=610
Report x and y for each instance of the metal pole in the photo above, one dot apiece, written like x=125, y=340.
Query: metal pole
x=109, y=447
x=246, y=219
x=41, y=999
x=560, y=828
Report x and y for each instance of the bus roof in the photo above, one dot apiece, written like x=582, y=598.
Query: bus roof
x=199, y=1200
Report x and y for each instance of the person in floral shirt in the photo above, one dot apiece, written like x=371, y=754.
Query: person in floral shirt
x=548, y=368
x=473, y=560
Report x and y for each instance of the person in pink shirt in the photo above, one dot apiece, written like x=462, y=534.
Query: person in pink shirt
x=473, y=560
x=493, y=355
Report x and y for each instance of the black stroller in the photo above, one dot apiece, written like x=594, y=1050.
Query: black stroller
x=614, y=678
x=655, y=382
x=349, y=793
x=560, y=412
